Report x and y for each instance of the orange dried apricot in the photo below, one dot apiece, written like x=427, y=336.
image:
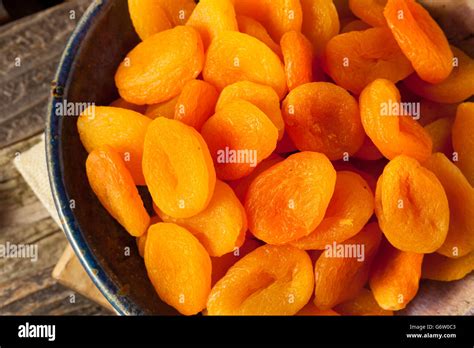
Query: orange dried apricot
x=239, y=137
x=411, y=206
x=263, y=97
x=323, y=117
x=289, y=200
x=440, y=133
x=420, y=38
x=343, y=269
x=121, y=103
x=250, y=26
x=446, y=269
x=178, y=168
x=370, y=11
x=311, y=310
x=277, y=16
x=395, y=276
x=351, y=206
x=165, y=109
x=355, y=25
x=124, y=130
x=178, y=267
x=271, y=280
x=320, y=23
x=212, y=17
x=157, y=69
x=389, y=125
x=460, y=238
x=221, y=226
x=233, y=57
x=114, y=187
x=141, y=241
x=368, y=151
x=431, y=111
x=178, y=11
x=463, y=141
x=298, y=57
x=196, y=103
x=363, y=304
x=148, y=17
x=355, y=59
x=221, y=264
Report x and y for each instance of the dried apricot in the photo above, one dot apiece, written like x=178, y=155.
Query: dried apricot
x=212, y=17
x=164, y=109
x=250, y=26
x=343, y=269
x=234, y=57
x=363, y=304
x=263, y=97
x=239, y=137
x=298, y=57
x=311, y=310
x=114, y=187
x=389, y=125
x=460, y=238
x=440, y=133
x=351, y=206
x=320, y=23
x=289, y=200
x=178, y=11
x=178, y=168
x=157, y=69
x=121, y=103
x=355, y=25
x=411, y=206
x=196, y=103
x=278, y=16
x=420, y=38
x=395, y=276
x=370, y=11
x=463, y=142
x=271, y=280
x=124, y=130
x=178, y=267
x=355, y=59
x=323, y=117
x=148, y=17
x=439, y=267
x=221, y=226
x=457, y=87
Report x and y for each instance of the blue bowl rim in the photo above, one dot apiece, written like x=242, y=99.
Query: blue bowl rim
x=121, y=304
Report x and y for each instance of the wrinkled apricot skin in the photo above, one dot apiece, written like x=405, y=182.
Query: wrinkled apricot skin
x=311, y=310
x=212, y=17
x=440, y=133
x=315, y=110
x=165, y=109
x=178, y=267
x=442, y=268
x=263, y=97
x=239, y=136
x=271, y=280
x=196, y=103
x=457, y=87
x=289, y=200
x=123, y=130
x=298, y=57
x=460, y=238
x=364, y=304
x=157, y=69
x=221, y=226
x=250, y=26
x=121, y=103
x=351, y=206
x=114, y=187
x=178, y=168
x=320, y=23
x=411, y=206
x=355, y=59
x=277, y=16
x=339, y=279
x=148, y=17
x=392, y=133
x=463, y=141
x=370, y=11
x=420, y=38
x=234, y=57
x=394, y=277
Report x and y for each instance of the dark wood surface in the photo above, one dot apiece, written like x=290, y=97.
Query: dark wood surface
x=27, y=287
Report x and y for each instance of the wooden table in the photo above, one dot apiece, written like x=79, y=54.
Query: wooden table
x=36, y=43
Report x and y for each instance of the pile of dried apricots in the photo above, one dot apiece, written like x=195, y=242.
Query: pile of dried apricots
x=280, y=145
